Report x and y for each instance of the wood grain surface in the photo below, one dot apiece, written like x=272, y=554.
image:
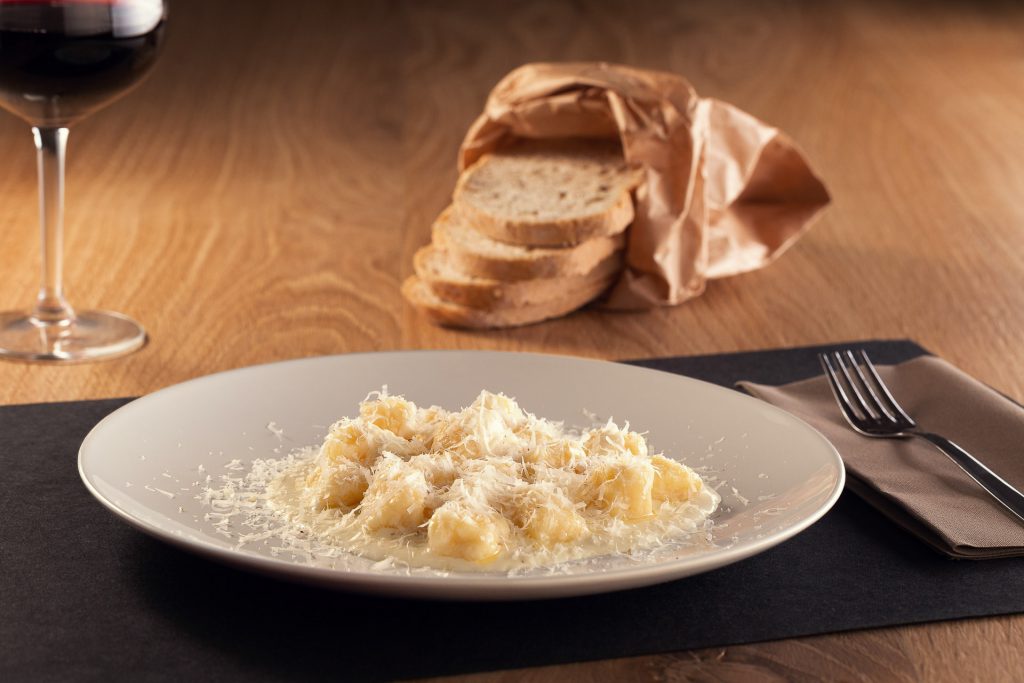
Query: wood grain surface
x=261, y=195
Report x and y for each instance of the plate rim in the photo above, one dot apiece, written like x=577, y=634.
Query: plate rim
x=457, y=585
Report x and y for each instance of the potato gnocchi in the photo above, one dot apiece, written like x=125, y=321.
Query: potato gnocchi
x=488, y=487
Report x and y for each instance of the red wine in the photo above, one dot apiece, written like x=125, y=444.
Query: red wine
x=62, y=60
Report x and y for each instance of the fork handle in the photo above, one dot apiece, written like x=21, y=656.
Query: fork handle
x=1010, y=497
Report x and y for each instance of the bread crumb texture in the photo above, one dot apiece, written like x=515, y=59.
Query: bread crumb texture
x=548, y=181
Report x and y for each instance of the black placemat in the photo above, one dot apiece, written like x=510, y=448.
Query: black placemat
x=84, y=596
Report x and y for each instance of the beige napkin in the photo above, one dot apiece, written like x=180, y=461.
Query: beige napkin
x=910, y=480
x=723, y=192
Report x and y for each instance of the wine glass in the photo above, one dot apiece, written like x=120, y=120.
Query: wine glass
x=60, y=61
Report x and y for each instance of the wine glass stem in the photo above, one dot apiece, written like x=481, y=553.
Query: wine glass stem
x=51, y=308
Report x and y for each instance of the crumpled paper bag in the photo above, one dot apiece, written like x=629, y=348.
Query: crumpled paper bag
x=723, y=193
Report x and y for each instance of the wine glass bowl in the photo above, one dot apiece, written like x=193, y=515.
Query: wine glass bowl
x=61, y=60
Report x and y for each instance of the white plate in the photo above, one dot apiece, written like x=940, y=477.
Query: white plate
x=776, y=474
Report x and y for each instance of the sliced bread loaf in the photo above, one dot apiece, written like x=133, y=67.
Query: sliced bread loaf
x=450, y=314
x=548, y=192
x=435, y=267
x=474, y=253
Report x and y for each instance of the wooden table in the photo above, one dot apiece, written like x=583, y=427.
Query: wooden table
x=260, y=198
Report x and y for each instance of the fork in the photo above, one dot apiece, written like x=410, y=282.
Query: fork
x=874, y=412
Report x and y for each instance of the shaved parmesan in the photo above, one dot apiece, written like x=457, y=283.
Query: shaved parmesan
x=489, y=487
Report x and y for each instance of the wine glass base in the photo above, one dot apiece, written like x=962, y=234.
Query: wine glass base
x=90, y=335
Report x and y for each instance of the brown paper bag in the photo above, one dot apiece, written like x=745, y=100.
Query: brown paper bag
x=723, y=193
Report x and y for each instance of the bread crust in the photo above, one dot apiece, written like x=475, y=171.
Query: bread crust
x=435, y=267
x=534, y=231
x=448, y=314
x=476, y=255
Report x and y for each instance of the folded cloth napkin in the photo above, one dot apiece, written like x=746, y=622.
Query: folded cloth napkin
x=910, y=480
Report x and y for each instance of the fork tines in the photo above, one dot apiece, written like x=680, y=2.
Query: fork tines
x=862, y=395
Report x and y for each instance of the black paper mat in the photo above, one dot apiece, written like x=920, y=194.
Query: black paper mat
x=85, y=597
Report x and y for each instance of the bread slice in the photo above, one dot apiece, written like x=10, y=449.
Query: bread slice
x=442, y=312
x=548, y=192
x=434, y=266
x=474, y=253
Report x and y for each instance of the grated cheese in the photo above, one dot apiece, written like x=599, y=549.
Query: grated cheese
x=490, y=487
